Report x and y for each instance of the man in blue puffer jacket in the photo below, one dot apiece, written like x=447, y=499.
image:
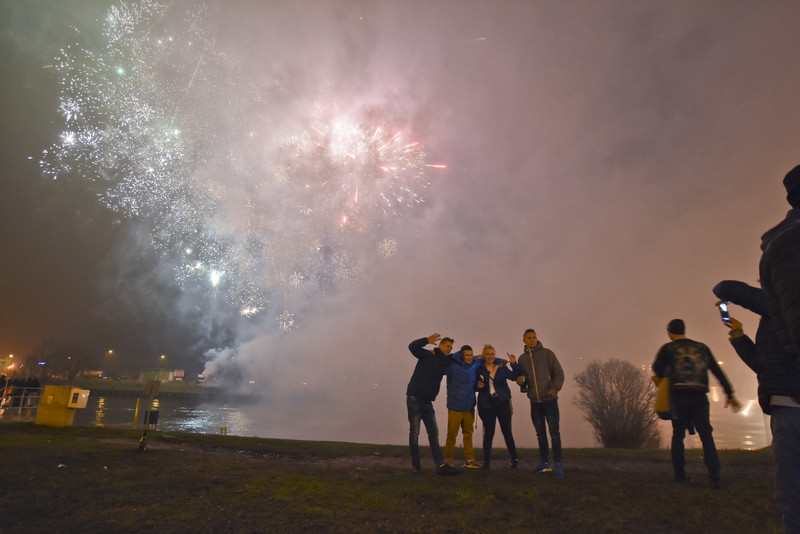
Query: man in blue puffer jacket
x=461, y=376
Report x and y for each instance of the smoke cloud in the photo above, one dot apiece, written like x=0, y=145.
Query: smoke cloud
x=606, y=165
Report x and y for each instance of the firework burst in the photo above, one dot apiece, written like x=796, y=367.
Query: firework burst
x=166, y=129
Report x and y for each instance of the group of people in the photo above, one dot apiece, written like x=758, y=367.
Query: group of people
x=537, y=371
x=774, y=355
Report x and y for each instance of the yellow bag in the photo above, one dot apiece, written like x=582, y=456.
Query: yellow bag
x=661, y=405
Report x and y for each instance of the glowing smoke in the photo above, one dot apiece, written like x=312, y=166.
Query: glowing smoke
x=267, y=212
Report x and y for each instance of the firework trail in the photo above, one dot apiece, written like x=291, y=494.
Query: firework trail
x=168, y=130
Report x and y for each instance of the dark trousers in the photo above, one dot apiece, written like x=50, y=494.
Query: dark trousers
x=545, y=415
x=422, y=410
x=785, y=423
x=492, y=410
x=690, y=409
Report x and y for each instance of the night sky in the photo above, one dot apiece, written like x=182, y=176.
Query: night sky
x=607, y=164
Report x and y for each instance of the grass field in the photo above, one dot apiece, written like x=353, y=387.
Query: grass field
x=96, y=480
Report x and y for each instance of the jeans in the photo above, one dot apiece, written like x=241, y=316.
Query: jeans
x=545, y=415
x=785, y=423
x=491, y=411
x=464, y=421
x=691, y=409
x=422, y=410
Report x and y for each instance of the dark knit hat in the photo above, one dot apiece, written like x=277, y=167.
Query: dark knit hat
x=677, y=327
x=792, y=183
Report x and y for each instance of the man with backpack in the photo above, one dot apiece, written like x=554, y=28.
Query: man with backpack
x=686, y=363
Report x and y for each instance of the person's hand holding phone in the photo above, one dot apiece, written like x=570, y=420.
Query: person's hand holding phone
x=727, y=320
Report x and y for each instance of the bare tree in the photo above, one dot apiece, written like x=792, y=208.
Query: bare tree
x=617, y=399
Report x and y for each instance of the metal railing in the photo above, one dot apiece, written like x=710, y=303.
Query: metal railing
x=19, y=402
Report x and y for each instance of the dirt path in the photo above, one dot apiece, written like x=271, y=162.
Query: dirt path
x=378, y=460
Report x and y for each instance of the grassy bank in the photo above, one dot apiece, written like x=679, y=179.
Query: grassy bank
x=96, y=480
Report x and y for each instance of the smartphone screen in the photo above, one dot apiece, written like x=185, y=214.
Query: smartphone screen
x=723, y=311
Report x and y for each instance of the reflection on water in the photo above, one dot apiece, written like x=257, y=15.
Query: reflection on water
x=174, y=414
x=204, y=420
x=748, y=429
x=100, y=412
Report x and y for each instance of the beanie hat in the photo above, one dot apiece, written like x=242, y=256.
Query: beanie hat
x=792, y=183
x=677, y=327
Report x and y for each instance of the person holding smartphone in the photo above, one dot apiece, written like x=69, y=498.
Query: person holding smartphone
x=778, y=391
x=779, y=268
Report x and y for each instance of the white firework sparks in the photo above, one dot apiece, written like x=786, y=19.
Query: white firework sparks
x=167, y=130
x=249, y=311
x=286, y=321
x=295, y=279
x=387, y=248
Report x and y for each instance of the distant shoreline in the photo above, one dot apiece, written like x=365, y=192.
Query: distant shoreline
x=173, y=390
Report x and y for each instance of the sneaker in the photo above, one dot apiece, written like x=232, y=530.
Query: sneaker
x=715, y=482
x=682, y=478
x=447, y=469
x=472, y=465
x=543, y=467
x=558, y=470
x=514, y=463
x=417, y=468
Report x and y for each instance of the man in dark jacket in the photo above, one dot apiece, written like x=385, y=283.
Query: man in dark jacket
x=780, y=268
x=686, y=363
x=774, y=354
x=420, y=394
x=778, y=393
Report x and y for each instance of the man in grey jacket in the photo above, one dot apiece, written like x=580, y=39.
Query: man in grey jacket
x=545, y=378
